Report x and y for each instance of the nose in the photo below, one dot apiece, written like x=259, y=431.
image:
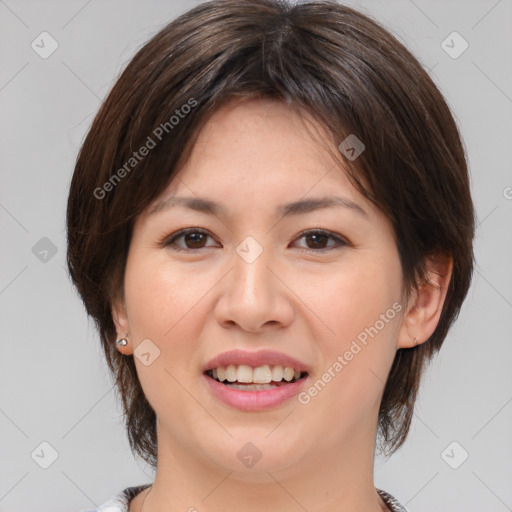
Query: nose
x=255, y=295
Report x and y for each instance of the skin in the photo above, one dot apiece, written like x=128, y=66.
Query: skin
x=252, y=156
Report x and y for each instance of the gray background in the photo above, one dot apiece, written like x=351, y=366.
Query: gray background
x=54, y=383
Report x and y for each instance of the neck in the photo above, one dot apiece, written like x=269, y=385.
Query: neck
x=339, y=480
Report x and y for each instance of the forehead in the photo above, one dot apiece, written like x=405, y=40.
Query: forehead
x=254, y=127
x=263, y=145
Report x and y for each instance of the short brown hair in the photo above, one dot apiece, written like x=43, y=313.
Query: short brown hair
x=322, y=58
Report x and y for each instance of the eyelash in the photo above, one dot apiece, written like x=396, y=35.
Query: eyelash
x=169, y=241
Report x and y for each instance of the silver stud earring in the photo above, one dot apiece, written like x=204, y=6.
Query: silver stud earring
x=122, y=342
x=415, y=341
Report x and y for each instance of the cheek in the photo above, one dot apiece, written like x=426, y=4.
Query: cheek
x=167, y=303
x=160, y=305
x=359, y=306
x=157, y=295
x=352, y=297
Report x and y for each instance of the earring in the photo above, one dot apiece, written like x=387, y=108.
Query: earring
x=122, y=342
x=415, y=341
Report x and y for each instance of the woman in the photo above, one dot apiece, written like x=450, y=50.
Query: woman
x=270, y=221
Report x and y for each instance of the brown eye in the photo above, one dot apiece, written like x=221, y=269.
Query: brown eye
x=193, y=239
x=317, y=240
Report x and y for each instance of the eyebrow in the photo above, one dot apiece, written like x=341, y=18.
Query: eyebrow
x=303, y=206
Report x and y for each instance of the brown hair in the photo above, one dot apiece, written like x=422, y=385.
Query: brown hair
x=321, y=58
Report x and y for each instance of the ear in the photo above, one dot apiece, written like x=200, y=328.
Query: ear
x=426, y=304
x=120, y=318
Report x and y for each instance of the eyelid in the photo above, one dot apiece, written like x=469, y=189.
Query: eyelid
x=340, y=241
x=169, y=240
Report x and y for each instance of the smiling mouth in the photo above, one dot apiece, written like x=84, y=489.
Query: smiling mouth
x=246, y=378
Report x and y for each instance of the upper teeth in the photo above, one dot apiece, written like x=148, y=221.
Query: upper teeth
x=259, y=375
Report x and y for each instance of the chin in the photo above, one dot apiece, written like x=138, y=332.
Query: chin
x=251, y=458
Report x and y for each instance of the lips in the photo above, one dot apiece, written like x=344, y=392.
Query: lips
x=255, y=366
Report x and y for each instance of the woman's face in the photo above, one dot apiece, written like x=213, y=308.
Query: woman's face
x=250, y=278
